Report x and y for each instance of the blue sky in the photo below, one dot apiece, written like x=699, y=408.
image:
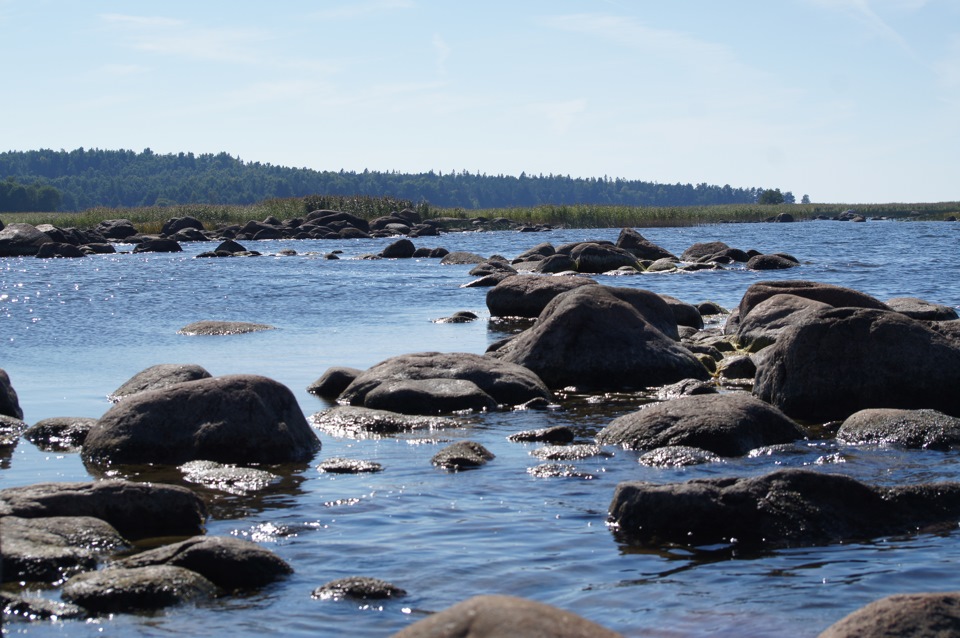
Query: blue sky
x=852, y=101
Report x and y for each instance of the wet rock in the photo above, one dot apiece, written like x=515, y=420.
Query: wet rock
x=528, y=295
x=340, y=465
x=462, y=455
x=607, y=338
x=842, y=360
x=227, y=478
x=348, y=420
x=678, y=456
x=766, y=320
x=158, y=245
x=492, y=616
x=462, y=316
x=135, y=510
x=641, y=247
x=358, y=587
x=50, y=549
x=726, y=424
x=400, y=249
x=558, y=470
x=556, y=434
x=429, y=396
x=784, y=508
x=922, y=429
x=65, y=434
x=569, y=452
x=118, y=590
x=684, y=314
x=506, y=383
x=770, y=262
x=460, y=257
x=231, y=419
x=686, y=387
x=229, y=563
x=17, y=240
x=14, y=607
x=333, y=382
x=217, y=328
x=9, y=402
x=11, y=430
x=159, y=376
x=922, y=310
x=925, y=615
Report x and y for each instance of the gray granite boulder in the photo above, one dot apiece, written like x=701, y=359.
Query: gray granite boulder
x=528, y=295
x=726, y=424
x=17, y=240
x=836, y=296
x=333, y=382
x=924, y=615
x=230, y=419
x=770, y=317
x=462, y=455
x=429, y=396
x=60, y=433
x=119, y=590
x=922, y=429
x=641, y=247
x=349, y=420
x=920, y=309
x=159, y=376
x=598, y=257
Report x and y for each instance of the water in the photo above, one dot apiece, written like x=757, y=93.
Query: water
x=73, y=330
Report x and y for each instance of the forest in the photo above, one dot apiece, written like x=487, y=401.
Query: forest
x=87, y=178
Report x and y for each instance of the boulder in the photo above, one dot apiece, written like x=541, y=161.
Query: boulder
x=400, y=249
x=784, y=508
x=333, y=382
x=11, y=430
x=340, y=465
x=118, y=590
x=505, y=382
x=556, y=434
x=600, y=258
x=924, y=615
x=358, y=588
x=602, y=337
x=922, y=429
x=678, y=456
x=33, y=608
x=348, y=420
x=135, y=510
x=176, y=224
x=772, y=316
x=158, y=245
x=462, y=455
x=923, y=310
x=836, y=296
x=220, y=328
x=54, y=250
x=326, y=217
x=698, y=251
x=116, y=229
x=159, y=376
x=841, y=360
x=17, y=240
x=555, y=264
x=492, y=616
x=226, y=477
x=429, y=396
x=641, y=247
x=684, y=314
x=460, y=257
x=65, y=434
x=229, y=563
x=728, y=424
x=770, y=262
x=546, y=249
x=9, y=402
x=230, y=419
x=528, y=295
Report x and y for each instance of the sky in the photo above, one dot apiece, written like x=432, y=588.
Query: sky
x=847, y=101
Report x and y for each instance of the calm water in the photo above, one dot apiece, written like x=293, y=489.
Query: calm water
x=74, y=330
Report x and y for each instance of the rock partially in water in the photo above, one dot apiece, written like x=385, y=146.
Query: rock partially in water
x=135, y=510
x=784, y=508
x=555, y=434
x=158, y=245
x=528, y=295
x=836, y=296
x=333, y=382
x=767, y=319
x=359, y=588
x=462, y=455
x=18, y=240
x=462, y=316
x=11, y=430
x=925, y=615
x=63, y=433
x=460, y=257
x=221, y=328
x=230, y=419
x=494, y=616
x=232, y=564
x=641, y=247
x=738, y=367
x=159, y=376
x=227, y=478
x=15, y=607
x=429, y=396
x=9, y=402
x=770, y=262
x=686, y=387
x=348, y=420
x=729, y=424
x=678, y=456
x=118, y=590
x=569, y=452
x=919, y=429
x=558, y=470
x=340, y=465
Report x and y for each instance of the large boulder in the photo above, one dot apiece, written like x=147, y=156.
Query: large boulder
x=507, y=383
x=836, y=296
x=772, y=316
x=528, y=295
x=493, y=616
x=120, y=590
x=9, y=402
x=641, y=247
x=925, y=615
x=176, y=224
x=841, y=360
x=921, y=309
x=159, y=376
x=924, y=429
x=601, y=337
x=230, y=419
x=726, y=424
x=783, y=508
x=429, y=396
x=116, y=229
x=135, y=510
x=17, y=240
x=593, y=257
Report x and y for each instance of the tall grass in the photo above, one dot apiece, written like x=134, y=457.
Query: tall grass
x=151, y=219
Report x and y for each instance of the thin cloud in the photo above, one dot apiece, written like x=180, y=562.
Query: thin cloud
x=362, y=9
x=863, y=12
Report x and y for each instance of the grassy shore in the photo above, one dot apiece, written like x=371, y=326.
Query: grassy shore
x=150, y=219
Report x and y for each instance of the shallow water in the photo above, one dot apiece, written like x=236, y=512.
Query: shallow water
x=74, y=330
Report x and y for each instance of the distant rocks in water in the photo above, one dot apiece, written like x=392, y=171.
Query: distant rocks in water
x=400, y=249
x=348, y=420
x=555, y=434
x=230, y=419
x=575, y=452
x=11, y=430
x=460, y=257
x=492, y=616
x=158, y=245
x=65, y=434
x=641, y=247
x=358, y=588
x=462, y=316
x=116, y=229
x=221, y=328
x=340, y=465
x=920, y=615
x=462, y=455
x=9, y=402
x=784, y=508
x=18, y=240
x=772, y=262
x=54, y=250
x=434, y=382
x=728, y=424
x=919, y=429
x=159, y=376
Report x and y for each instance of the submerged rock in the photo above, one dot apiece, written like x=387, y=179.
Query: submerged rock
x=678, y=456
x=353, y=421
x=227, y=478
x=333, y=382
x=555, y=434
x=358, y=587
x=60, y=433
x=340, y=465
x=462, y=455
x=220, y=328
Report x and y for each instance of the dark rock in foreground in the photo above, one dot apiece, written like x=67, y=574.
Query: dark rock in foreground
x=17, y=240
x=927, y=615
x=781, y=509
x=494, y=616
x=118, y=590
x=230, y=419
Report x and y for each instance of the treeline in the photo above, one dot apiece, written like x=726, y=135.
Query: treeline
x=20, y=198
x=94, y=177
